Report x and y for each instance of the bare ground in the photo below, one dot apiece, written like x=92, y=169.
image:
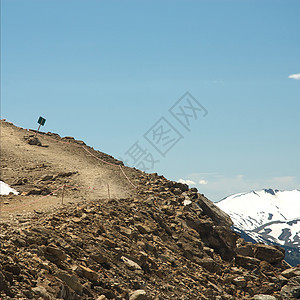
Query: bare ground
x=26, y=167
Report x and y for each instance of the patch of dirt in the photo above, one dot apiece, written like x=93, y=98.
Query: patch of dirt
x=35, y=171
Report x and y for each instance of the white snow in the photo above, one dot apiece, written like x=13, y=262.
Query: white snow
x=5, y=189
x=272, y=209
x=276, y=230
x=262, y=206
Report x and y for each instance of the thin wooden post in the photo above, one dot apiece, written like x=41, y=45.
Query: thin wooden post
x=108, y=192
x=62, y=195
x=1, y=199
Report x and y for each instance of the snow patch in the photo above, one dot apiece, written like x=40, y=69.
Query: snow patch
x=5, y=189
x=266, y=214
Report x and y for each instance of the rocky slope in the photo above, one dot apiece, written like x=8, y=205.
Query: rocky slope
x=161, y=240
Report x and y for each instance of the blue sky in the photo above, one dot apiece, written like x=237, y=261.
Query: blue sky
x=107, y=71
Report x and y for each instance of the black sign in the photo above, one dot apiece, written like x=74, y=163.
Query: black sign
x=41, y=121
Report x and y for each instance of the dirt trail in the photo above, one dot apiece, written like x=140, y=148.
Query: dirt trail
x=90, y=178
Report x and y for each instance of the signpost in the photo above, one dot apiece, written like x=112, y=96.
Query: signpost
x=41, y=121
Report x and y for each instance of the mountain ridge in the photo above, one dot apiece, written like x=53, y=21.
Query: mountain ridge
x=269, y=216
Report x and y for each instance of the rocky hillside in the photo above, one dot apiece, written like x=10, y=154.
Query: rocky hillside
x=160, y=240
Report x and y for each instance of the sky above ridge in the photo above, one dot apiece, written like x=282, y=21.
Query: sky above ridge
x=203, y=91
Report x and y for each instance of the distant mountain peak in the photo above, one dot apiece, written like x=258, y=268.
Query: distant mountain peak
x=269, y=216
x=270, y=191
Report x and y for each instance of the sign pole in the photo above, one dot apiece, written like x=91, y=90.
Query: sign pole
x=37, y=130
x=40, y=121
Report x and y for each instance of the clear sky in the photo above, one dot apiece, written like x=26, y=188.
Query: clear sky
x=107, y=71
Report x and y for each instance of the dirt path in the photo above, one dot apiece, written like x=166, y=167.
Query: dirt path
x=31, y=164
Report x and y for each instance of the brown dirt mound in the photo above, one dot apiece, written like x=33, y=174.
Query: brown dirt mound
x=37, y=170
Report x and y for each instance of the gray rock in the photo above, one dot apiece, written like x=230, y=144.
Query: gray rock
x=138, y=295
x=70, y=280
x=177, y=185
x=209, y=264
x=56, y=252
x=41, y=291
x=34, y=192
x=130, y=264
x=263, y=297
x=247, y=262
x=34, y=141
x=209, y=251
x=176, y=191
x=125, y=231
x=291, y=272
x=240, y=281
x=88, y=273
x=268, y=253
x=109, y=243
x=21, y=181
x=143, y=229
x=245, y=250
x=12, y=268
x=47, y=177
x=290, y=291
x=3, y=282
x=99, y=258
x=214, y=212
x=282, y=280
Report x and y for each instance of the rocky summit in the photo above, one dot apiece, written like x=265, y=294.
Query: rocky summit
x=131, y=236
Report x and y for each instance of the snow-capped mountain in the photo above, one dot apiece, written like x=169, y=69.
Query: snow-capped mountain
x=268, y=216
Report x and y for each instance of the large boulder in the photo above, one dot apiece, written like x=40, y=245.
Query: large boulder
x=292, y=289
x=220, y=238
x=291, y=272
x=71, y=280
x=214, y=212
x=247, y=262
x=245, y=250
x=271, y=254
